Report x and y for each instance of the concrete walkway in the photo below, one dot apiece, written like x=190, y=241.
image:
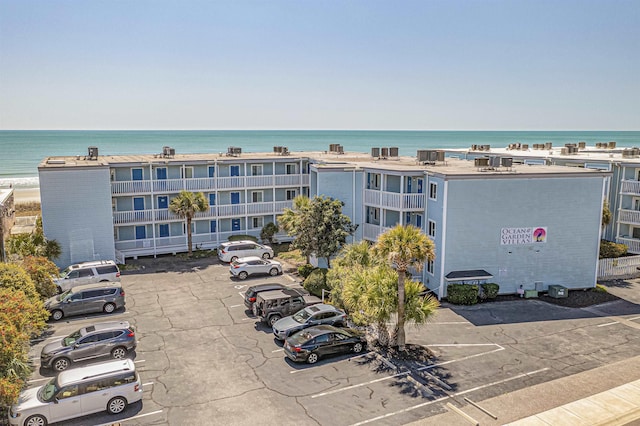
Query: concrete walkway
x=609, y=395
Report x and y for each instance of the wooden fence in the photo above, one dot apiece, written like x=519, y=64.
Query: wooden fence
x=618, y=267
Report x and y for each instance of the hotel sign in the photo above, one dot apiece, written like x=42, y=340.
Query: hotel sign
x=531, y=235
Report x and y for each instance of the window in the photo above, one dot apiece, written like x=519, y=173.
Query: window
x=68, y=392
x=373, y=181
x=291, y=169
x=256, y=196
x=163, y=229
x=291, y=194
x=430, y=267
x=212, y=171
x=83, y=273
x=257, y=222
x=433, y=191
x=256, y=170
x=186, y=172
x=432, y=228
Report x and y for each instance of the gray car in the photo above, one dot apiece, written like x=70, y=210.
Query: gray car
x=114, y=339
x=307, y=317
x=85, y=299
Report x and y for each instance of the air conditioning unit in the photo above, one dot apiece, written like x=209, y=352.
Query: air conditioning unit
x=277, y=149
x=93, y=152
x=481, y=162
x=385, y=152
x=375, y=152
x=422, y=155
x=393, y=151
x=439, y=155
x=494, y=161
x=506, y=162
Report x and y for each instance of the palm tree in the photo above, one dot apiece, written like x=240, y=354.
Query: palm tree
x=186, y=205
x=404, y=247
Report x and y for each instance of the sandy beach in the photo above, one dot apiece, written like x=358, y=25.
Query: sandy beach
x=26, y=195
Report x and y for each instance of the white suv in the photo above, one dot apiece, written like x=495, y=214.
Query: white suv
x=231, y=251
x=87, y=273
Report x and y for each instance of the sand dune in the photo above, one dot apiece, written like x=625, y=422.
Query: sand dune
x=26, y=195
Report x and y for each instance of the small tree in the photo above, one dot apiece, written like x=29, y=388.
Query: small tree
x=41, y=270
x=268, y=231
x=404, y=247
x=186, y=205
x=290, y=220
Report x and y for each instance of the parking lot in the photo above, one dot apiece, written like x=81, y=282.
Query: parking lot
x=204, y=359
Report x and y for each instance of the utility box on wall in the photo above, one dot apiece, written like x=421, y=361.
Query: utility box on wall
x=558, y=292
x=528, y=294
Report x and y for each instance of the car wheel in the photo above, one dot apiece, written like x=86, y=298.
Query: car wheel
x=357, y=348
x=116, y=405
x=274, y=319
x=234, y=258
x=61, y=364
x=266, y=256
x=119, y=353
x=57, y=315
x=35, y=421
x=312, y=358
x=273, y=272
x=109, y=307
x=243, y=275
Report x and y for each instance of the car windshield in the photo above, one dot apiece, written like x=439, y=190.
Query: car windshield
x=48, y=391
x=301, y=316
x=63, y=296
x=71, y=339
x=301, y=337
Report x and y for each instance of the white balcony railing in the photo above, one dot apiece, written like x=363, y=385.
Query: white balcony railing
x=632, y=244
x=371, y=232
x=630, y=187
x=629, y=216
x=135, y=216
x=394, y=200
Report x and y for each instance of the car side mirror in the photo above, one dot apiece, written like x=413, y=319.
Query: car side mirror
x=55, y=399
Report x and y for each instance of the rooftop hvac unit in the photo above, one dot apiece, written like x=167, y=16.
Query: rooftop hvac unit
x=506, y=162
x=375, y=152
x=333, y=147
x=93, y=152
x=277, y=149
x=564, y=151
x=172, y=152
x=525, y=146
x=494, y=161
x=393, y=151
x=385, y=152
x=474, y=147
x=569, y=145
x=486, y=147
x=340, y=149
x=548, y=145
x=611, y=145
x=582, y=145
x=165, y=150
x=481, y=162
x=422, y=155
x=439, y=155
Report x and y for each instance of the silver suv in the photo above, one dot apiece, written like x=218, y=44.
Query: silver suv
x=114, y=339
x=85, y=299
x=87, y=273
x=228, y=252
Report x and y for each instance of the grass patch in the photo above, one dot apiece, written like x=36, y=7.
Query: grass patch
x=29, y=208
x=292, y=256
x=197, y=254
x=600, y=289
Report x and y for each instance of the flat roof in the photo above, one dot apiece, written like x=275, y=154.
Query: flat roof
x=324, y=161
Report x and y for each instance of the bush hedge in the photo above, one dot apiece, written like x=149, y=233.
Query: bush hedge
x=316, y=282
x=610, y=249
x=305, y=270
x=490, y=290
x=462, y=294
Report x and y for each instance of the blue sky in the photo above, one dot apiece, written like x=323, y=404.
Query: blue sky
x=423, y=65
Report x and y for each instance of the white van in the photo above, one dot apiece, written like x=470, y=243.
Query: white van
x=87, y=273
x=74, y=393
x=231, y=251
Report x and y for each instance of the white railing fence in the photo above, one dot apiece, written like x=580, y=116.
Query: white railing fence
x=620, y=266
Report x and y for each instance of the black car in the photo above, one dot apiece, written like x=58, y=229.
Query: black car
x=322, y=340
x=252, y=292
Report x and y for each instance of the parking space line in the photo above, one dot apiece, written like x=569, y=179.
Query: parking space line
x=132, y=418
x=449, y=322
x=139, y=360
x=277, y=350
x=634, y=318
x=248, y=319
x=424, y=404
x=462, y=344
x=359, y=385
x=607, y=324
x=236, y=306
x=500, y=348
x=147, y=384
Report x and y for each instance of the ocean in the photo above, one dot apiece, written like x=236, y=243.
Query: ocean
x=23, y=150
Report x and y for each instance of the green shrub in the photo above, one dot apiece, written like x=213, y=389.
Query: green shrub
x=305, y=270
x=610, y=249
x=490, y=290
x=462, y=294
x=316, y=282
x=600, y=289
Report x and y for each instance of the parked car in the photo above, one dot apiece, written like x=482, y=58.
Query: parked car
x=270, y=306
x=84, y=299
x=87, y=273
x=77, y=392
x=253, y=291
x=228, y=252
x=307, y=317
x=253, y=265
x=114, y=339
x=323, y=340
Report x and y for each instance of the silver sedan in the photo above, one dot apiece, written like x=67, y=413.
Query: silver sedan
x=246, y=266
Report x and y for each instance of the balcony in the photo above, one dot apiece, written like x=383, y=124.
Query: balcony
x=629, y=216
x=207, y=184
x=370, y=232
x=631, y=187
x=394, y=200
x=632, y=244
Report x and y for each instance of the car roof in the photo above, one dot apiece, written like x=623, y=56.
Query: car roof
x=101, y=326
x=92, y=263
x=280, y=294
x=317, y=330
x=109, y=284
x=265, y=287
x=103, y=369
x=232, y=243
x=321, y=307
x=247, y=259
